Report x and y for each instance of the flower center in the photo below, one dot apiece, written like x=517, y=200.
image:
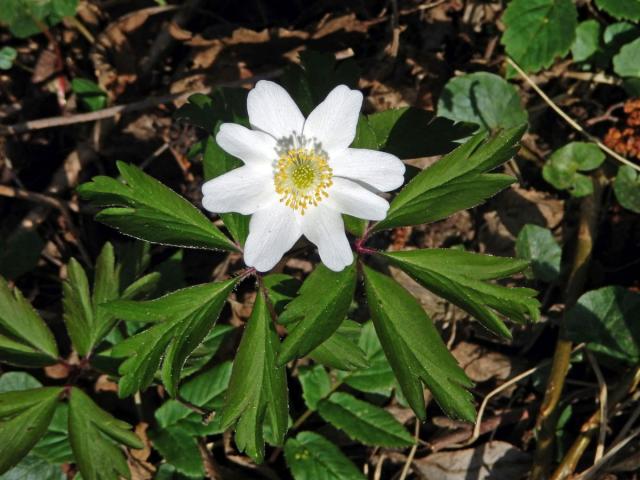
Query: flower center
x=302, y=178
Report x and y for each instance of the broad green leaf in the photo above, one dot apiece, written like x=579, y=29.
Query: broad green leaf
x=341, y=350
x=537, y=245
x=94, y=435
x=563, y=167
x=54, y=446
x=484, y=99
x=627, y=188
x=624, y=9
x=625, y=63
x=312, y=457
x=25, y=416
x=33, y=467
x=183, y=320
x=415, y=350
x=91, y=96
x=617, y=35
x=25, y=339
x=539, y=31
x=587, y=42
x=461, y=276
x=364, y=422
x=144, y=208
x=607, y=319
x=7, y=57
x=317, y=316
x=217, y=162
x=378, y=376
x=316, y=384
x=455, y=182
x=12, y=381
x=180, y=449
x=257, y=390
x=64, y=8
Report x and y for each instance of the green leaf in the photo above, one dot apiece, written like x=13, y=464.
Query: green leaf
x=312, y=457
x=587, y=42
x=461, y=276
x=317, y=316
x=32, y=467
x=484, y=99
x=12, y=381
x=206, y=350
x=563, y=167
x=281, y=289
x=537, y=245
x=217, y=162
x=146, y=209
x=625, y=63
x=94, y=435
x=258, y=387
x=415, y=350
x=180, y=449
x=539, y=31
x=78, y=309
x=64, y=8
x=455, y=182
x=378, y=376
x=7, y=57
x=25, y=416
x=607, y=320
x=340, y=350
x=91, y=96
x=623, y=9
x=183, y=320
x=364, y=422
x=25, y=339
x=54, y=446
x=627, y=188
x=316, y=384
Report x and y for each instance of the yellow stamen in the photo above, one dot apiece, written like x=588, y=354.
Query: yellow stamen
x=302, y=178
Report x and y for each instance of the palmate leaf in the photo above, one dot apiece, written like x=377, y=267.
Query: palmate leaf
x=415, y=350
x=455, y=182
x=316, y=316
x=461, y=276
x=539, y=31
x=144, y=208
x=183, y=319
x=25, y=339
x=364, y=422
x=94, y=435
x=24, y=418
x=312, y=457
x=257, y=392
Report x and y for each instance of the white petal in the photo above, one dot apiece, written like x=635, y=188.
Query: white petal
x=348, y=197
x=272, y=232
x=333, y=122
x=243, y=190
x=272, y=110
x=251, y=146
x=383, y=171
x=323, y=226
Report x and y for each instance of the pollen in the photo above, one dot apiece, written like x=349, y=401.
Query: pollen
x=302, y=178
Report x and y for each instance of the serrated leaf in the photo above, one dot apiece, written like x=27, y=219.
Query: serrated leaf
x=537, y=245
x=25, y=415
x=144, y=208
x=415, y=350
x=607, y=320
x=364, y=422
x=460, y=276
x=312, y=457
x=563, y=167
x=627, y=188
x=341, y=350
x=94, y=435
x=184, y=318
x=317, y=316
x=623, y=9
x=257, y=390
x=455, y=182
x=539, y=31
x=484, y=99
x=315, y=383
x=25, y=338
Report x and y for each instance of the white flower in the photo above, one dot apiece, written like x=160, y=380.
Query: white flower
x=300, y=175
